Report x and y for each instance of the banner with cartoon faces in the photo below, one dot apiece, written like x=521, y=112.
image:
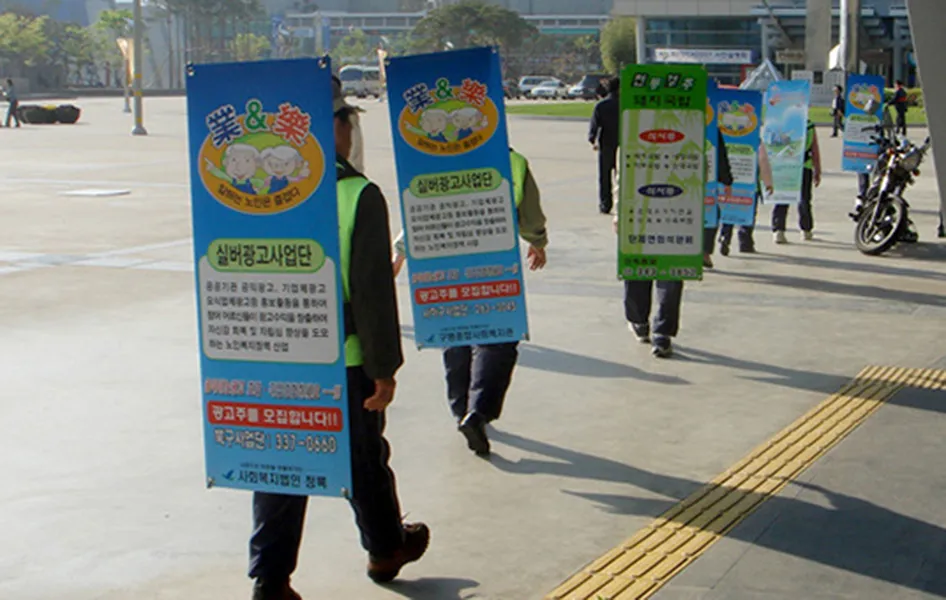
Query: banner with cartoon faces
x=860, y=151
x=457, y=196
x=266, y=249
x=739, y=117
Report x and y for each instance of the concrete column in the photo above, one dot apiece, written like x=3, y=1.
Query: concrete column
x=851, y=17
x=818, y=35
x=764, y=29
x=897, y=53
x=640, y=38
x=928, y=22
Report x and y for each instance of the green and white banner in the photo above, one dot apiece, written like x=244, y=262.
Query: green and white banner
x=660, y=206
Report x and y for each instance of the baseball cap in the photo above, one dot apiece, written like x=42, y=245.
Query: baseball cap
x=338, y=99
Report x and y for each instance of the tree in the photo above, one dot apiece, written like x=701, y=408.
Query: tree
x=116, y=23
x=353, y=47
x=249, y=46
x=472, y=23
x=618, y=46
x=23, y=42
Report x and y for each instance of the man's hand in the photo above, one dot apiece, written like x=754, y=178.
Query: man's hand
x=817, y=178
x=594, y=146
x=769, y=189
x=536, y=258
x=383, y=395
x=397, y=265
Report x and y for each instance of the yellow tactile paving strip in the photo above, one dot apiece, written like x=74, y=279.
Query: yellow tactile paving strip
x=647, y=561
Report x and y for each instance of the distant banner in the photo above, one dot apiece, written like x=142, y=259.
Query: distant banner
x=784, y=136
x=711, y=193
x=269, y=294
x=662, y=188
x=457, y=201
x=702, y=57
x=860, y=152
x=739, y=115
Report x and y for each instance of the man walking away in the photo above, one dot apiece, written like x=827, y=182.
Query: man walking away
x=14, y=101
x=901, y=104
x=723, y=177
x=373, y=356
x=838, y=106
x=746, y=232
x=604, y=136
x=811, y=178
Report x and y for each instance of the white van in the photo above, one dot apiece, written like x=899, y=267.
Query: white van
x=360, y=80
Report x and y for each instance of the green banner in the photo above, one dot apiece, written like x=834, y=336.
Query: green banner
x=662, y=171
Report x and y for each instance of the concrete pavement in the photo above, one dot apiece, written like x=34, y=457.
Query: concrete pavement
x=99, y=415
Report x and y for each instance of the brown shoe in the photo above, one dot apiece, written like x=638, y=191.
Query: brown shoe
x=416, y=539
x=269, y=590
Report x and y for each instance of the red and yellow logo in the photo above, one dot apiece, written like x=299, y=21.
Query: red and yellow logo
x=448, y=120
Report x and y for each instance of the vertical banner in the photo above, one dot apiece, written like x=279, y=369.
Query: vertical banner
x=860, y=152
x=739, y=114
x=269, y=293
x=457, y=206
x=711, y=194
x=662, y=187
x=784, y=135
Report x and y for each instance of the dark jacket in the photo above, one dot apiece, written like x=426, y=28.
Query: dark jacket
x=724, y=176
x=605, y=123
x=371, y=282
x=900, y=101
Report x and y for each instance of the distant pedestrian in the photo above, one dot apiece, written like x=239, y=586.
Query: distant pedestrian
x=604, y=136
x=811, y=178
x=838, y=107
x=14, y=101
x=901, y=104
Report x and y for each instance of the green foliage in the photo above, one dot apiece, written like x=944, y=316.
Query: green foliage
x=249, y=46
x=23, y=40
x=470, y=23
x=353, y=48
x=618, y=46
x=116, y=23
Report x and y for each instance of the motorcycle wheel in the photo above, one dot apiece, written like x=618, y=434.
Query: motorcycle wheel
x=876, y=236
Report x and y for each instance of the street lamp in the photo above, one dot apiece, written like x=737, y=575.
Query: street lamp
x=137, y=56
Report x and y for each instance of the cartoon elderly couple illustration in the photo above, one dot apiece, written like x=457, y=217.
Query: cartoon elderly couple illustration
x=465, y=122
x=283, y=165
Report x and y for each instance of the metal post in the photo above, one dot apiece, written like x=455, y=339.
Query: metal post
x=852, y=55
x=126, y=83
x=138, y=55
x=843, y=41
x=640, y=38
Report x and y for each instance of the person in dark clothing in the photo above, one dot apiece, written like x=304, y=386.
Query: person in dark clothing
x=14, y=101
x=373, y=355
x=604, y=136
x=838, y=107
x=724, y=177
x=746, y=232
x=901, y=104
x=811, y=178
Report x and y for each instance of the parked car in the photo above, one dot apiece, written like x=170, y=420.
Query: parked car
x=550, y=90
x=591, y=87
x=511, y=89
x=527, y=84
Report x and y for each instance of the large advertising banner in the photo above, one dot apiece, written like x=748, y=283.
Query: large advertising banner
x=269, y=295
x=739, y=114
x=711, y=193
x=784, y=137
x=662, y=188
x=860, y=152
x=457, y=198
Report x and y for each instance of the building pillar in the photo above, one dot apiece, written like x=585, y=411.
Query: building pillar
x=764, y=29
x=927, y=23
x=897, y=53
x=818, y=35
x=851, y=36
x=640, y=38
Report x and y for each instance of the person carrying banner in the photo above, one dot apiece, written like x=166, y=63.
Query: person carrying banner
x=478, y=377
x=723, y=177
x=811, y=178
x=746, y=241
x=373, y=355
x=604, y=135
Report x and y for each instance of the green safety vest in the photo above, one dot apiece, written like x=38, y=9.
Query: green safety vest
x=809, y=145
x=520, y=167
x=349, y=192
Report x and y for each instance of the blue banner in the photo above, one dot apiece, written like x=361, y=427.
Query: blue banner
x=711, y=195
x=269, y=296
x=784, y=136
x=739, y=115
x=860, y=153
x=456, y=188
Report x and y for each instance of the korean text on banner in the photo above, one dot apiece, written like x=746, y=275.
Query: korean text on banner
x=660, y=207
x=457, y=198
x=269, y=295
x=711, y=193
x=739, y=114
x=860, y=151
x=784, y=135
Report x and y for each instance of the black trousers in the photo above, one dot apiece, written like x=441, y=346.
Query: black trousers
x=278, y=519
x=637, y=305
x=12, y=113
x=607, y=163
x=838, y=123
x=806, y=220
x=478, y=378
x=746, y=232
x=902, y=122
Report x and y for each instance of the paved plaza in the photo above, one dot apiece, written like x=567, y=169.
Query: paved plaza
x=100, y=430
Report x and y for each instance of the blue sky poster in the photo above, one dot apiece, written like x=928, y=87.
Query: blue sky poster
x=263, y=195
x=860, y=153
x=461, y=232
x=710, y=201
x=739, y=115
x=783, y=135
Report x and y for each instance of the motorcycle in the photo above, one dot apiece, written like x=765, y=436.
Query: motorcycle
x=882, y=217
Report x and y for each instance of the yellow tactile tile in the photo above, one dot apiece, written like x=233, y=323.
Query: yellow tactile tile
x=642, y=564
